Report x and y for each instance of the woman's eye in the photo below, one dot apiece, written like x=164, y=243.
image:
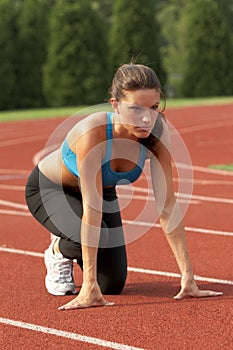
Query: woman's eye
x=135, y=108
x=155, y=108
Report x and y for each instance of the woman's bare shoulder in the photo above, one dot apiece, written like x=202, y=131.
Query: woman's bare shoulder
x=91, y=126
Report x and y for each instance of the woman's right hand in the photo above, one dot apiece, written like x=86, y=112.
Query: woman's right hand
x=89, y=296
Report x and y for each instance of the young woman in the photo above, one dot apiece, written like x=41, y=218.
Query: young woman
x=72, y=192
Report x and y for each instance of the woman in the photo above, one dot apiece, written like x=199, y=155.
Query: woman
x=72, y=192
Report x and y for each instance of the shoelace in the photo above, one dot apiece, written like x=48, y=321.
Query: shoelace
x=64, y=271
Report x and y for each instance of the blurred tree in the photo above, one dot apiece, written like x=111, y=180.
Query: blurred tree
x=104, y=7
x=208, y=64
x=173, y=31
x=75, y=71
x=135, y=35
x=8, y=53
x=227, y=8
x=33, y=36
x=191, y=32
x=23, y=42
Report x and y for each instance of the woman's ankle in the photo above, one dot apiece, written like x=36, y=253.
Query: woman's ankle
x=56, y=249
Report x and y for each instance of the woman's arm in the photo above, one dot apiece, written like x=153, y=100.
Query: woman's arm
x=171, y=219
x=89, y=155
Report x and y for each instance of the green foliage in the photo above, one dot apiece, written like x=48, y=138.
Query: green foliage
x=134, y=35
x=65, y=52
x=208, y=67
x=104, y=9
x=8, y=54
x=197, y=46
x=32, y=36
x=171, y=19
x=22, y=51
x=75, y=72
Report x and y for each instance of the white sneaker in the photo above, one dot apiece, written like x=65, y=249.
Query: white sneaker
x=59, y=279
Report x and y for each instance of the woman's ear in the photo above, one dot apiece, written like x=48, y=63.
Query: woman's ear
x=114, y=104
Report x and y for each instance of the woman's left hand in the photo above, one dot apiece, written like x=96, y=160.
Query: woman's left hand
x=89, y=296
x=189, y=288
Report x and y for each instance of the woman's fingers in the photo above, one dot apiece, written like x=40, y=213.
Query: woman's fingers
x=208, y=293
x=76, y=304
x=197, y=294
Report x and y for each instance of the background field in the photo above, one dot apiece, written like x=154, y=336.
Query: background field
x=68, y=111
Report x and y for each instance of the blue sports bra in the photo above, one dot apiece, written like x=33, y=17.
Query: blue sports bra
x=109, y=177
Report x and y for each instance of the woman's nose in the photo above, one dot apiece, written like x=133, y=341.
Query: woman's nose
x=146, y=118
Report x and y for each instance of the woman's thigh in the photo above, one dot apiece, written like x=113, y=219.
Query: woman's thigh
x=57, y=209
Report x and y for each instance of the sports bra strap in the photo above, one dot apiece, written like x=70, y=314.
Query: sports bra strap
x=109, y=126
x=108, y=147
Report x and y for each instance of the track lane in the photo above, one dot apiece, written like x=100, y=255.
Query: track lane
x=160, y=321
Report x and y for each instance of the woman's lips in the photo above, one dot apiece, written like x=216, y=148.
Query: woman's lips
x=145, y=128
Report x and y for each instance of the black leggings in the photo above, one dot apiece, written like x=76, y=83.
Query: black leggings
x=59, y=210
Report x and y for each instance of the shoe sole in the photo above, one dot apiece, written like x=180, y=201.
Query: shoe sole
x=56, y=292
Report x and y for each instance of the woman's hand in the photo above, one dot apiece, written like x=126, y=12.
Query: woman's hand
x=189, y=288
x=88, y=296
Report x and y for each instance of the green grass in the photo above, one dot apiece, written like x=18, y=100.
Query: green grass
x=68, y=111
x=188, y=102
x=38, y=113
x=227, y=167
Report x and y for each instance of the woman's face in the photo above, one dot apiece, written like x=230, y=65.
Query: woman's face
x=137, y=111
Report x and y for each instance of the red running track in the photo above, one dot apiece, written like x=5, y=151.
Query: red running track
x=144, y=316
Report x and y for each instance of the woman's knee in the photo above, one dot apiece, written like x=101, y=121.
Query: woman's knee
x=113, y=285
x=70, y=249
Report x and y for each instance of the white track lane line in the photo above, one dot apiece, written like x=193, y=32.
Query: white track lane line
x=131, y=269
x=22, y=140
x=14, y=171
x=152, y=198
x=67, y=335
x=12, y=187
x=190, y=129
x=13, y=204
x=137, y=223
x=179, y=195
x=187, y=228
x=203, y=169
x=14, y=212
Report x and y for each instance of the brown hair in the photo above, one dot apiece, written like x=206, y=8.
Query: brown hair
x=131, y=77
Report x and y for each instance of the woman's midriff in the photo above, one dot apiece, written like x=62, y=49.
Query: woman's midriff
x=53, y=167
